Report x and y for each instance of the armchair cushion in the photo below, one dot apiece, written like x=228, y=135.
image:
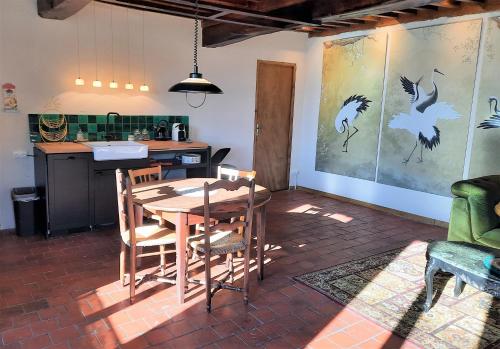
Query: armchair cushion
x=482, y=194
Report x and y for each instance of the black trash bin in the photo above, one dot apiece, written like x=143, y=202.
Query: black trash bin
x=26, y=210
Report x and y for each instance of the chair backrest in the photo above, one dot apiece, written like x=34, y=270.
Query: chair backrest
x=229, y=209
x=125, y=205
x=219, y=156
x=144, y=175
x=233, y=174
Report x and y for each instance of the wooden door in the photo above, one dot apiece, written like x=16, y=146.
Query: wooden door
x=273, y=123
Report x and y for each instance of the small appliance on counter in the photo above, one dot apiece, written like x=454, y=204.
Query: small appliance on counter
x=161, y=131
x=191, y=159
x=179, y=132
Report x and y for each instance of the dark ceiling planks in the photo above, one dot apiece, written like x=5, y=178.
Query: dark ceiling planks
x=228, y=21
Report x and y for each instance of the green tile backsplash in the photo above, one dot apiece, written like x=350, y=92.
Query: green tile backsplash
x=94, y=126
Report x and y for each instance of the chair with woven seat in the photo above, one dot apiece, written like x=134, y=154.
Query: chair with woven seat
x=231, y=174
x=145, y=175
x=136, y=237
x=223, y=238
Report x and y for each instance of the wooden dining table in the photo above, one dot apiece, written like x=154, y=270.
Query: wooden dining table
x=180, y=202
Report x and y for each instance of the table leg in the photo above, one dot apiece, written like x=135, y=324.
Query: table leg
x=261, y=240
x=430, y=270
x=181, y=233
x=139, y=221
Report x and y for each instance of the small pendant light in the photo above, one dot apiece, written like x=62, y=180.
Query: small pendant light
x=144, y=87
x=113, y=84
x=78, y=81
x=128, y=85
x=96, y=82
x=196, y=83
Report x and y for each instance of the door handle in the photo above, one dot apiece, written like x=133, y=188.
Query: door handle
x=71, y=158
x=257, y=129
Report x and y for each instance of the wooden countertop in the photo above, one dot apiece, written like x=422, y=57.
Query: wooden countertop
x=71, y=147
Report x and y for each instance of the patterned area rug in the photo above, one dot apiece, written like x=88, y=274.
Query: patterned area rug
x=389, y=288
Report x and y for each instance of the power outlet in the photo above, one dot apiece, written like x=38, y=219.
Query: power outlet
x=19, y=154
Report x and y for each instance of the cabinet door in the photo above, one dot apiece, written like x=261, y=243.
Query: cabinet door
x=69, y=193
x=105, y=200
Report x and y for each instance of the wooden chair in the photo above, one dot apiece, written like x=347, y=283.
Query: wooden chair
x=144, y=175
x=223, y=238
x=137, y=237
x=233, y=174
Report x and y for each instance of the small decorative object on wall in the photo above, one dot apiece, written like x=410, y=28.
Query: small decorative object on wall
x=350, y=107
x=486, y=141
x=437, y=116
x=52, y=124
x=424, y=114
x=9, y=98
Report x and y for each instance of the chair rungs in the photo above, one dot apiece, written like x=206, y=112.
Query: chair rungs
x=149, y=254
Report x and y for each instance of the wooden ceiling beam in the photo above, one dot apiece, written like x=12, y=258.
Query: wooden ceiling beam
x=463, y=9
x=327, y=10
x=60, y=9
x=305, y=21
x=225, y=34
x=142, y=6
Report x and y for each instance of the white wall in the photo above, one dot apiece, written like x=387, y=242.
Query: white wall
x=39, y=57
x=306, y=124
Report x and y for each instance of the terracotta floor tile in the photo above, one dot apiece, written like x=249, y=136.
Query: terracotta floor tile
x=16, y=334
x=65, y=292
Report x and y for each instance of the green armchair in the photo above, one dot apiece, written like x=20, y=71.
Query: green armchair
x=473, y=218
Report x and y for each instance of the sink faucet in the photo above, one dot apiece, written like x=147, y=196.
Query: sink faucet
x=109, y=137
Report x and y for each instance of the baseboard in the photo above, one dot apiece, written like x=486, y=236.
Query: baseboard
x=8, y=231
x=413, y=217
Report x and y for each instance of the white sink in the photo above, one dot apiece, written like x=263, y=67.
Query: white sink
x=118, y=150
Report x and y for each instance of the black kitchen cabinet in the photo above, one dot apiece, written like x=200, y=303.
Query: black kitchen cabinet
x=77, y=192
x=105, y=199
x=69, y=195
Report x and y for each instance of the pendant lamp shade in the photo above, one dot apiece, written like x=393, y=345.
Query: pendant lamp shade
x=195, y=84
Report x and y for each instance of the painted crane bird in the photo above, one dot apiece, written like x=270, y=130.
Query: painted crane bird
x=494, y=120
x=423, y=116
x=351, y=109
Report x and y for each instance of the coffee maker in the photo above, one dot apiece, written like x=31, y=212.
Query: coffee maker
x=179, y=132
x=161, y=131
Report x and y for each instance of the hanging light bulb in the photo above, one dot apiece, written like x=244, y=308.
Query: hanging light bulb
x=96, y=82
x=144, y=87
x=196, y=83
x=113, y=84
x=128, y=85
x=78, y=81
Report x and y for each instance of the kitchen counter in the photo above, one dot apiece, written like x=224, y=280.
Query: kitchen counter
x=71, y=147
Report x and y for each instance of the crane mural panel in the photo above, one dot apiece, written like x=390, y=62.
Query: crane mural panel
x=429, y=90
x=350, y=106
x=486, y=138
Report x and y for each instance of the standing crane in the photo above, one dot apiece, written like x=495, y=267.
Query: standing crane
x=494, y=120
x=424, y=113
x=351, y=109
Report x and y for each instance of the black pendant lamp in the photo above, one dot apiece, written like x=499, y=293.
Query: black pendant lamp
x=196, y=83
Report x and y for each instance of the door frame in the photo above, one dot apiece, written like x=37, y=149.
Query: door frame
x=292, y=104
